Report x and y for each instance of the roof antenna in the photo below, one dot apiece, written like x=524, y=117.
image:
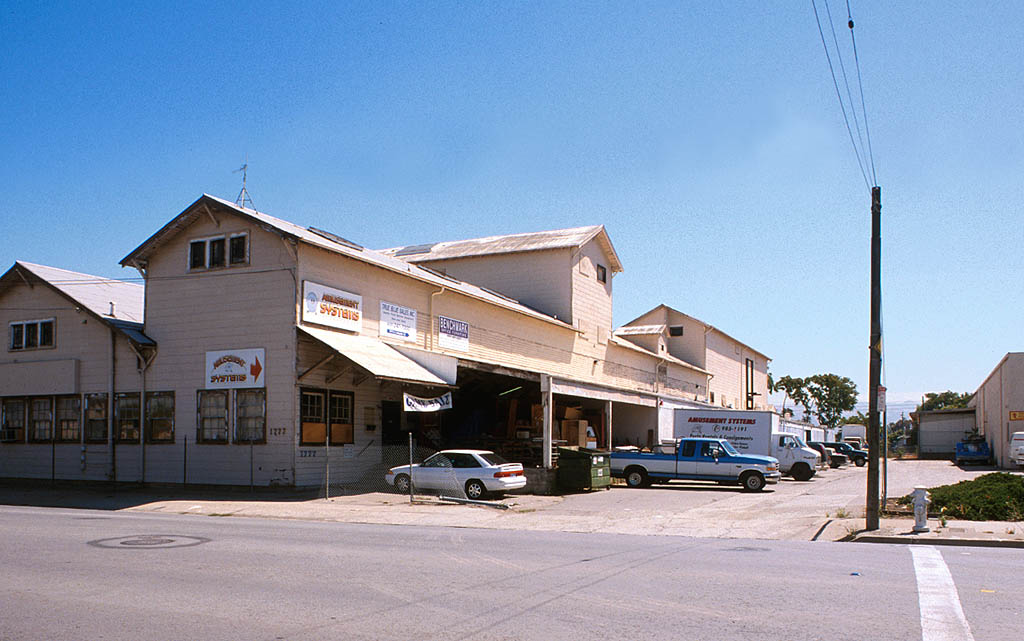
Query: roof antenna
x=244, y=200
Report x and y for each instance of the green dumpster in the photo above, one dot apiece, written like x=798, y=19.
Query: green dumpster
x=583, y=469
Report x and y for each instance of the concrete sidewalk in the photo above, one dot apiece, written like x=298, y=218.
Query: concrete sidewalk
x=574, y=513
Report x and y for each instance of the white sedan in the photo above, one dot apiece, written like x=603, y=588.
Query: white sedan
x=475, y=472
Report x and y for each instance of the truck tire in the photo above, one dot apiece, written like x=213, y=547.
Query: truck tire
x=637, y=477
x=801, y=472
x=861, y=462
x=752, y=482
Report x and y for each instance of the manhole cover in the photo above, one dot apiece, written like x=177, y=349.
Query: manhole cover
x=149, y=541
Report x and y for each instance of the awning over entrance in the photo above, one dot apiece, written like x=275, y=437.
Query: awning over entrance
x=573, y=388
x=380, y=359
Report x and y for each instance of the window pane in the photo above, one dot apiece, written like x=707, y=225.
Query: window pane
x=17, y=336
x=341, y=418
x=41, y=419
x=314, y=424
x=31, y=335
x=237, y=250
x=96, y=418
x=13, y=420
x=160, y=417
x=217, y=253
x=69, y=415
x=46, y=334
x=250, y=416
x=213, y=416
x=197, y=254
x=126, y=413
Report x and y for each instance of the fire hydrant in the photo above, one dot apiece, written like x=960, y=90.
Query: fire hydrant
x=921, y=502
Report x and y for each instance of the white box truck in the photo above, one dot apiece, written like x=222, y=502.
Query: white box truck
x=751, y=432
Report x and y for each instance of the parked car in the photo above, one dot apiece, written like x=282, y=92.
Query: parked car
x=476, y=472
x=859, y=457
x=695, y=459
x=1016, y=448
x=972, y=451
x=823, y=451
x=836, y=459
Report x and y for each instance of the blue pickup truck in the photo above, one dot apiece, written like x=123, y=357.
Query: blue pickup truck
x=695, y=459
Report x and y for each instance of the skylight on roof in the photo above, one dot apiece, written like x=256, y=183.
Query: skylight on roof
x=415, y=249
x=335, y=238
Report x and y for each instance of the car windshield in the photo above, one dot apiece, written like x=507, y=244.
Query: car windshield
x=800, y=441
x=492, y=458
x=729, y=448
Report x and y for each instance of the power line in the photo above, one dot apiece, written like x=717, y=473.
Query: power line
x=839, y=95
x=860, y=83
x=846, y=81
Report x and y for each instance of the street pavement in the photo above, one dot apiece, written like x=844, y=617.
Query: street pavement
x=830, y=507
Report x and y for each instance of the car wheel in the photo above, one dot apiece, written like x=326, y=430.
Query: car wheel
x=402, y=483
x=860, y=462
x=475, y=490
x=752, y=482
x=636, y=477
x=802, y=472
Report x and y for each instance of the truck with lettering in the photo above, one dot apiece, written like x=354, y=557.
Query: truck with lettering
x=751, y=432
x=694, y=459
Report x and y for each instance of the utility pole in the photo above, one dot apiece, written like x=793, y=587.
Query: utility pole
x=875, y=372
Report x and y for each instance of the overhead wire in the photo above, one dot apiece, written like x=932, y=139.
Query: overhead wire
x=860, y=84
x=839, y=95
x=846, y=81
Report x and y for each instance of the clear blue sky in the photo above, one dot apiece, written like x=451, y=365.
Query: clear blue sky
x=706, y=136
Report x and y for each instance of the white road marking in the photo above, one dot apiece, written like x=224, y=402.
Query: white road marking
x=942, y=618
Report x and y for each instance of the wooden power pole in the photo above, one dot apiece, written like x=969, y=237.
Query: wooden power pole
x=875, y=372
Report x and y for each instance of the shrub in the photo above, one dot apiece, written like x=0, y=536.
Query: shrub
x=992, y=497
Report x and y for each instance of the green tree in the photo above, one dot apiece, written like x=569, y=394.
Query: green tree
x=858, y=418
x=794, y=389
x=944, y=401
x=831, y=396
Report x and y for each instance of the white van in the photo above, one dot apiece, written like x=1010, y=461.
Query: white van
x=1016, y=450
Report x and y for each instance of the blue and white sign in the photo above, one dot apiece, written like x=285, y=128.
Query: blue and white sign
x=418, y=404
x=452, y=334
x=397, y=322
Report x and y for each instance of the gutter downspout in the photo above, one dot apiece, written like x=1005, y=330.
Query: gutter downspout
x=145, y=363
x=111, y=386
x=430, y=312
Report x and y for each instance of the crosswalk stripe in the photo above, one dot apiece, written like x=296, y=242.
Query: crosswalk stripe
x=942, y=617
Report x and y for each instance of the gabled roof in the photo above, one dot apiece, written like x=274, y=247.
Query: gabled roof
x=208, y=205
x=621, y=342
x=509, y=244
x=115, y=302
x=696, y=320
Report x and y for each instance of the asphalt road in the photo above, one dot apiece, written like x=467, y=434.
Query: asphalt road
x=82, y=574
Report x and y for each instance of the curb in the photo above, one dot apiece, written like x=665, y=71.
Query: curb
x=979, y=543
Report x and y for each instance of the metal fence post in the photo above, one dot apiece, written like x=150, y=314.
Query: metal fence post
x=410, y=467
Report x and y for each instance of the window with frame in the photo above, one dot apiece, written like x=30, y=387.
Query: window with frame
x=675, y=330
x=342, y=431
x=35, y=334
x=602, y=274
x=126, y=417
x=220, y=251
x=313, y=422
x=69, y=419
x=40, y=420
x=213, y=416
x=160, y=417
x=12, y=420
x=250, y=416
x=95, y=418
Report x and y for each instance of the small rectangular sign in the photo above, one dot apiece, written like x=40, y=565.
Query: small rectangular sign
x=332, y=307
x=397, y=322
x=452, y=334
x=416, y=404
x=235, y=368
x=1017, y=416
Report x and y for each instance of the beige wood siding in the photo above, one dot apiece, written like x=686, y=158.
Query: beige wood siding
x=189, y=313
x=539, y=279
x=591, y=299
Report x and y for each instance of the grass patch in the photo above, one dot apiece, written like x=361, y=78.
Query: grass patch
x=992, y=497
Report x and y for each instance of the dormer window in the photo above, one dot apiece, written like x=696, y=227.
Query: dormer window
x=219, y=251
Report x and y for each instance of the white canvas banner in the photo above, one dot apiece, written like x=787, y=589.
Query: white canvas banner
x=235, y=368
x=417, y=404
x=397, y=322
x=325, y=305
